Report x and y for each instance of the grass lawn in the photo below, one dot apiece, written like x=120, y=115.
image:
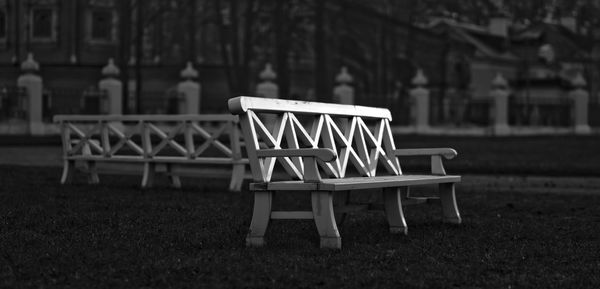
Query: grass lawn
x=119, y=236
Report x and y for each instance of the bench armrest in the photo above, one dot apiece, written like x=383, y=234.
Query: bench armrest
x=437, y=167
x=309, y=155
x=448, y=153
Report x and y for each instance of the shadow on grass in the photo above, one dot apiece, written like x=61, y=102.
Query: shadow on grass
x=116, y=235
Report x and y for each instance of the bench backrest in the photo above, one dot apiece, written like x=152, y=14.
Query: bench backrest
x=152, y=136
x=360, y=135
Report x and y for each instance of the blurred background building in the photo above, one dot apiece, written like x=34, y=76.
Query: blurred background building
x=538, y=47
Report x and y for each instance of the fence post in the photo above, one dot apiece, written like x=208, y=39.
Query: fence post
x=420, y=102
x=343, y=92
x=34, y=86
x=580, y=98
x=113, y=87
x=267, y=88
x=499, y=95
x=189, y=89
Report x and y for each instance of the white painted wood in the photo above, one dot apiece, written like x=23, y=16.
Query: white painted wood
x=393, y=210
x=148, y=176
x=284, y=186
x=450, y=212
x=68, y=167
x=437, y=168
x=322, y=208
x=448, y=153
x=360, y=183
x=362, y=140
x=261, y=216
x=242, y=104
x=110, y=138
x=144, y=118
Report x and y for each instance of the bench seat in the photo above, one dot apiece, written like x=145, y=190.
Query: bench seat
x=355, y=183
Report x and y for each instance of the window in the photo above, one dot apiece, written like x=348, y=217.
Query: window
x=43, y=22
x=102, y=25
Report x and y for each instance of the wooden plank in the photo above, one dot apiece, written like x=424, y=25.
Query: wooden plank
x=291, y=215
x=284, y=186
x=159, y=159
x=145, y=117
x=446, y=152
x=241, y=104
x=357, y=183
x=167, y=139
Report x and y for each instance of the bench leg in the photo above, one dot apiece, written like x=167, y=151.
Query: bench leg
x=174, y=179
x=237, y=178
x=92, y=173
x=322, y=207
x=392, y=200
x=148, y=177
x=68, y=166
x=260, y=218
x=450, y=212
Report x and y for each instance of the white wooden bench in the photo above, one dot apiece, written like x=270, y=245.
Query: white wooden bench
x=330, y=149
x=179, y=145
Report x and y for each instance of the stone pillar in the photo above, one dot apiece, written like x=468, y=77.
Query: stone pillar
x=343, y=93
x=189, y=89
x=419, y=97
x=267, y=88
x=499, y=95
x=34, y=86
x=114, y=89
x=580, y=98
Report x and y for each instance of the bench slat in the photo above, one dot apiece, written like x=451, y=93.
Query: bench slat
x=241, y=104
x=145, y=117
x=160, y=159
x=356, y=183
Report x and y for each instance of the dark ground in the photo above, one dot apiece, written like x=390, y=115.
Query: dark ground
x=118, y=236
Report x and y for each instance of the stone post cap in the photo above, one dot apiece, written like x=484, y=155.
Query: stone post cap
x=344, y=77
x=267, y=74
x=578, y=81
x=110, y=70
x=499, y=82
x=419, y=80
x=189, y=72
x=30, y=65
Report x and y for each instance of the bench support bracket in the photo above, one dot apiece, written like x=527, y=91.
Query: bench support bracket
x=392, y=200
x=260, y=218
x=450, y=212
x=322, y=207
x=148, y=177
x=68, y=166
